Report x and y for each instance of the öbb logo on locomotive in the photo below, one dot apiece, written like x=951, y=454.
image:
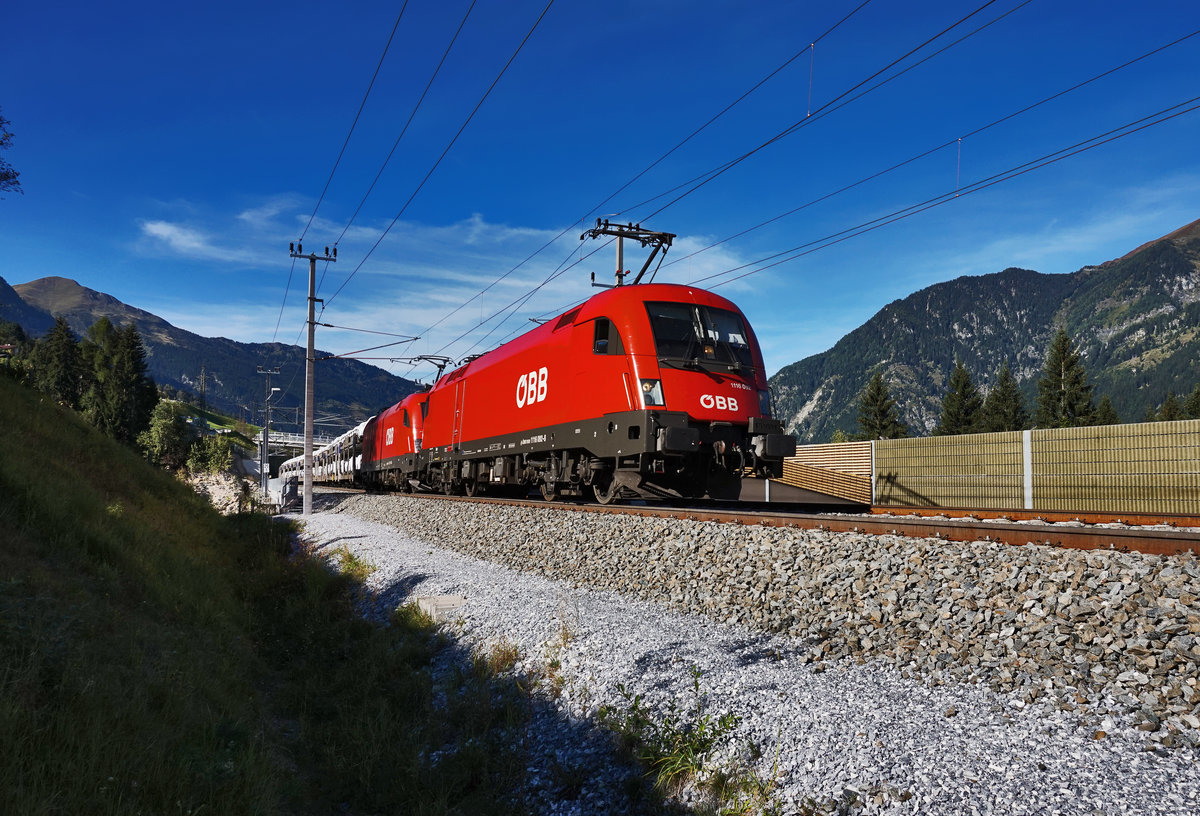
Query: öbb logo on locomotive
x=719, y=402
x=531, y=387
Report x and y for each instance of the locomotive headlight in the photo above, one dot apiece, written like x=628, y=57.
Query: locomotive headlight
x=652, y=393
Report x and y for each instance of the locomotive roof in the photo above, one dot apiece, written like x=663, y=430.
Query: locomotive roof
x=611, y=303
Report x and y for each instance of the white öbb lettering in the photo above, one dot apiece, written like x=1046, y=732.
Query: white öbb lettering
x=390, y=432
x=531, y=387
x=719, y=402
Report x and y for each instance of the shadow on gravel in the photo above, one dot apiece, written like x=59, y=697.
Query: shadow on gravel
x=545, y=761
x=325, y=502
x=663, y=661
x=395, y=595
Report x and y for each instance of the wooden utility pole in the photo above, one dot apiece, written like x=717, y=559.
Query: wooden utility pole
x=297, y=251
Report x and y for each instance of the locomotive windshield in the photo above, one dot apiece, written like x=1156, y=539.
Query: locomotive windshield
x=700, y=335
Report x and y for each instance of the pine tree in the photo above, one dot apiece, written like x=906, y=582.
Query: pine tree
x=1192, y=406
x=1064, y=394
x=1105, y=413
x=1004, y=408
x=878, y=415
x=58, y=369
x=121, y=396
x=961, y=405
x=1170, y=409
x=99, y=399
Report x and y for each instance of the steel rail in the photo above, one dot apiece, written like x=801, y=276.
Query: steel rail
x=1082, y=536
x=1050, y=516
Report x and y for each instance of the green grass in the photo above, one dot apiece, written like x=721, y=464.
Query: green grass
x=243, y=434
x=157, y=658
x=352, y=566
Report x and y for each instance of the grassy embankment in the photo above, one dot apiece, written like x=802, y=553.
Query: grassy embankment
x=242, y=434
x=158, y=658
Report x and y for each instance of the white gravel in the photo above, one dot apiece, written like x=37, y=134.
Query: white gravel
x=827, y=734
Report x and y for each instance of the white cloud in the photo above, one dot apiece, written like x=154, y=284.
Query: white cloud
x=1123, y=221
x=463, y=285
x=263, y=216
x=177, y=238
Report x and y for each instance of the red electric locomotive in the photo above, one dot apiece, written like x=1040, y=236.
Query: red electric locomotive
x=642, y=390
x=391, y=443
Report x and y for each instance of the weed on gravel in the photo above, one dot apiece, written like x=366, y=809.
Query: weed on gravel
x=676, y=744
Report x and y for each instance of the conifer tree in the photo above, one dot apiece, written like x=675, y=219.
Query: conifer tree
x=1004, y=408
x=58, y=368
x=121, y=396
x=1192, y=406
x=878, y=416
x=961, y=405
x=1064, y=394
x=97, y=349
x=1170, y=410
x=1105, y=413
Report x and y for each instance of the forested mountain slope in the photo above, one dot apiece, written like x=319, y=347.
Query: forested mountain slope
x=1136, y=321
x=349, y=389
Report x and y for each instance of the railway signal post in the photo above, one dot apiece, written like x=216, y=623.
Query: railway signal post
x=297, y=251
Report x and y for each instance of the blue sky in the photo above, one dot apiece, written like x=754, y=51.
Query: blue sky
x=169, y=152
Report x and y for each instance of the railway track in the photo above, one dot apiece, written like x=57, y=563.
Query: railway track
x=1076, y=531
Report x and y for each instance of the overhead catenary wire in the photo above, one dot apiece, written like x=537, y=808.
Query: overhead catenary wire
x=1128, y=129
x=369, y=331
x=653, y=164
x=513, y=305
x=840, y=101
x=354, y=124
x=404, y=129
x=450, y=145
x=838, y=237
x=283, y=305
x=940, y=147
x=856, y=183
x=336, y=162
x=348, y=355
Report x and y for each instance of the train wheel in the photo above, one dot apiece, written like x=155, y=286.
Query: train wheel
x=471, y=487
x=549, y=491
x=606, y=491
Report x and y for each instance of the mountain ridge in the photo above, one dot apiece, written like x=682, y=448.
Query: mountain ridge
x=1133, y=319
x=175, y=357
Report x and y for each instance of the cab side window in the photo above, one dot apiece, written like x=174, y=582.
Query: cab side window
x=605, y=338
x=406, y=422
